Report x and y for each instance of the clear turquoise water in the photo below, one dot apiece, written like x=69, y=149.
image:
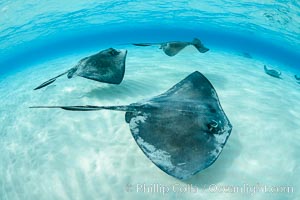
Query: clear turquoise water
x=61, y=155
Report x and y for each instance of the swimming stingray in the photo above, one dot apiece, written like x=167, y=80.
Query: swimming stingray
x=272, y=72
x=297, y=78
x=182, y=131
x=172, y=48
x=107, y=66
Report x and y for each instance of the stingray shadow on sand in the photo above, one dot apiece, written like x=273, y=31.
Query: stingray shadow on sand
x=127, y=89
x=141, y=88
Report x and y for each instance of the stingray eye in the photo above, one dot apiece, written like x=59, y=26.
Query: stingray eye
x=212, y=126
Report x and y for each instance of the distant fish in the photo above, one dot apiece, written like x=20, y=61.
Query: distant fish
x=172, y=48
x=297, y=78
x=272, y=72
x=182, y=131
x=107, y=66
x=247, y=55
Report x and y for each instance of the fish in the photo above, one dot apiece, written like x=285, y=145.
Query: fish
x=107, y=66
x=272, y=72
x=174, y=47
x=182, y=131
x=247, y=55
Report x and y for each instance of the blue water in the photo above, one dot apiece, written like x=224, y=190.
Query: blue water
x=47, y=29
x=95, y=37
x=61, y=155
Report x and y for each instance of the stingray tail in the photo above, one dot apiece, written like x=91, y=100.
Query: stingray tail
x=199, y=46
x=71, y=72
x=50, y=81
x=128, y=108
x=141, y=44
x=146, y=44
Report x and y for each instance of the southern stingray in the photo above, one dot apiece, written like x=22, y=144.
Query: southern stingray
x=107, y=66
x=172, y=48
x=272, y=72
x=182, y=131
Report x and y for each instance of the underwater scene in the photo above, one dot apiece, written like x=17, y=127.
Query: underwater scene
x=149, y=99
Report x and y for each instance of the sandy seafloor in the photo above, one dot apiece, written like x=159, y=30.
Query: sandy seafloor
x=56, y=154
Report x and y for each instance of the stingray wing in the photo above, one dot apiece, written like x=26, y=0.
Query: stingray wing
x=185, y=130
x=173, y=48
x=107, y=66
x=169, y=48
x=195, y=88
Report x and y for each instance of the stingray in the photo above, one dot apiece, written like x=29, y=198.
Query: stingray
x=247, y=55
x=107, y=66
x=173, y=48
x=182, y=131
x=272, y=72
x=297, y=78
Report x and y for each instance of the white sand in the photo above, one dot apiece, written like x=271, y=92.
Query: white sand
x=56, y=154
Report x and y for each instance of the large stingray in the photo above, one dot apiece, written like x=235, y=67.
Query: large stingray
x=172, y=48
x=107, y=66
x=182, y=131
x=272, y=72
